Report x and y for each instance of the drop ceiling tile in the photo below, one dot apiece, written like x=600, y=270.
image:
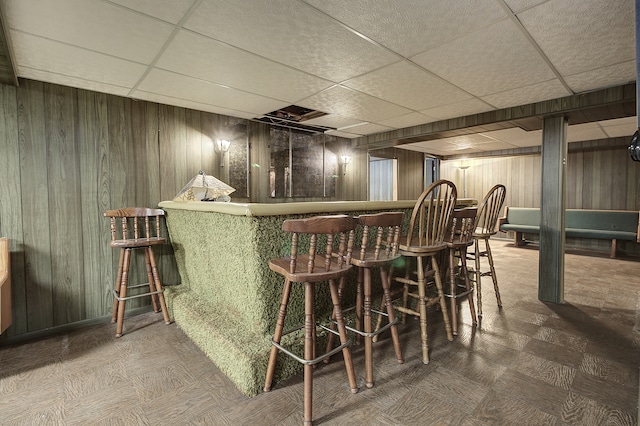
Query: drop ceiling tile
x=207, y=59
x=368, y=129
x=613, y=75
x=405, y=84
x=349, y=103
x=414, y=26
x=622, y=130
x=185, y=103
x=53, y=58
x=585, y=132
x=459, y=109
x=91, y=24
x=516, y=136
x=167, y=10
x=543, y=91
x=475, y=61
x=292, y=33
x=492, y=146
x=334, y=120
x=407, y=120
x=583, y=35
x=182, y=87
x=342, y=134
x=69, y=81
x=520, y=5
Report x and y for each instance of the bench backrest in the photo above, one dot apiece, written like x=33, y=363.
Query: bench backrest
x=524, y=216
x=606, y=220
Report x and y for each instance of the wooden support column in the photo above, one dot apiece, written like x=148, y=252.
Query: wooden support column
x=552, y=204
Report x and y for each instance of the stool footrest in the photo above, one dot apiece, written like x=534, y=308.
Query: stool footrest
x=135, y=296
x=373, y=333
x=318, y=358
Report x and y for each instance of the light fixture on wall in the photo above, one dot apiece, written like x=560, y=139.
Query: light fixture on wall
x=345, y=159
x=222, y=146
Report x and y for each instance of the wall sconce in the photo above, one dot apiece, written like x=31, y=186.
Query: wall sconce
x=345, y=159
x=222, y=146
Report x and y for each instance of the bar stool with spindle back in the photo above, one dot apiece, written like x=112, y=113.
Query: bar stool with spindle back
x=134, y=231
x=486, y=227
x=384, y=230
x=424, y=241
x=459, y=237
x=316, y=266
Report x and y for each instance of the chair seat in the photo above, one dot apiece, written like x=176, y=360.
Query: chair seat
x=369, y=260
x=281, y=265
x=138, y=242
x=420, y=250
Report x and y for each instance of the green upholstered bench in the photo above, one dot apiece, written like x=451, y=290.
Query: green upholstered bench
x=611, y=225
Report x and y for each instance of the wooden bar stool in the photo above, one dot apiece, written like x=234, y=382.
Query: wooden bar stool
x=486, y=227
x=384, y=230
x=425, y=240
x=316, y=266
x=134, y=231
x=458, y=239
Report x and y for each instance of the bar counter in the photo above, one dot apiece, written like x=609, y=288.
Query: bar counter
x=228, y=299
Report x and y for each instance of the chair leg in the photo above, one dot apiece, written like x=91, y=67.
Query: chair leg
x=476, y=246
x=368, y=325
x=467, y=282
x=333, y=317
x=277, y=335
x=493, y=273
x=422, y=305
x=152, y=286
x=359, y=302
x=443, y=303
x=386, y=288
x=114, y=311
x=342, y=331
x=309, y=346
x=158, y=286
x=452, y=291
x=122, y=293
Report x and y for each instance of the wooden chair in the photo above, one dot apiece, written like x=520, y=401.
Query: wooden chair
x=136, y=228
x=426, y=239
x=383, y=230
x=488, y=214
x=316, y=266
x=458, y=238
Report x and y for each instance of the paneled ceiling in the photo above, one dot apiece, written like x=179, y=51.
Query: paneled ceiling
x=371, y=65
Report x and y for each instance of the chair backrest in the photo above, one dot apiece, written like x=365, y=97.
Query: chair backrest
x=489, y=210
x=325, y=229
x=463, y=223
x=386, y=229
x=135, y=223
x=431, y=214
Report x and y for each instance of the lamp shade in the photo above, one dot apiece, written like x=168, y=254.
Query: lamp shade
x=204, y=187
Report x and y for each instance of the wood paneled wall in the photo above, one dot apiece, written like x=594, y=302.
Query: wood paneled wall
x=600, y=175
x=67, y=155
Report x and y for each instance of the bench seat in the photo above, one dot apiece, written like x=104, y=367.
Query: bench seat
x=579, y=223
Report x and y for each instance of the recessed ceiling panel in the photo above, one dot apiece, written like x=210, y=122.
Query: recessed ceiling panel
x=81, y=83
x=585, y=132
x=459, y=109
x=408, y=85
x=167, y=10
x=407, y=120
x=368, y=129
x=185, y=103
x=349, y=103
x=579, y=36
x=613, y=75
x=543, y=91
x=53, y=58
x=91, y=24
x=201, y=57
x=182, y=87
x=290, y=32
x=412, y=26
x=516, y=136
x=334, y=120
x=475, y=61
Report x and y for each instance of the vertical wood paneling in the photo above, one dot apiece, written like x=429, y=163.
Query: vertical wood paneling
x=92, y=148
x=35, y=206
x=11, y=206
x=65, y=210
